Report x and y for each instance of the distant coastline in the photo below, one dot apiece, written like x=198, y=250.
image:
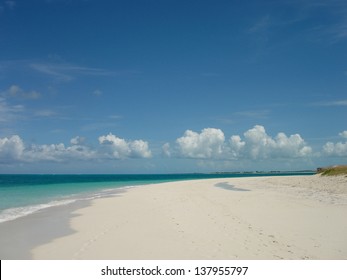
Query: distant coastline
x=308, y=171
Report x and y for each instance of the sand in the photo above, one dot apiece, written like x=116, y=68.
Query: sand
x=294, y=217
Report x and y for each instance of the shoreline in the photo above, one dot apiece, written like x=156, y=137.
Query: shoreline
x=279, y=217
x=20, y=236
x=106, y=188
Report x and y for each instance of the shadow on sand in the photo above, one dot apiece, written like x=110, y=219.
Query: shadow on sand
x=227, y=186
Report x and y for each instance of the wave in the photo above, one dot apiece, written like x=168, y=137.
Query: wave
x=18, y=212
x=14, y=213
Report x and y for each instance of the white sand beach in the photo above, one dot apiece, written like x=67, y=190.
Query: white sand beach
x=291, y=217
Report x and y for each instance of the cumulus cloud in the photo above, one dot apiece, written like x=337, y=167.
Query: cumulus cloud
x=207, y=144
x=259, y=144
x=52, y=152
x=336, y=149
x=343, y=134
x=140, y=149
x=58, y=153
x=120, y=148
x=236, y=145
x=13, y=150
x=256, y=144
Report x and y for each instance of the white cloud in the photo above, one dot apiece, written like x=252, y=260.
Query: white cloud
x=58, y=152
x=52, y=70
x=166, y=150
x=52, y=152
x=9, y=112
x=260, y=145
x=207, y=144
x=77, y=140
x=11, y=149
x=210, y=143
x=119, y=148
x=336, y=149
x=68, y=72
x=292, y=146
x=331, y=103
x=256, y=144
x=236, y=145
x=140, y=149
x=17, y=92
x=343, y=134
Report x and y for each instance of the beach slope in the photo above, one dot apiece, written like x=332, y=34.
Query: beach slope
x=284, y=217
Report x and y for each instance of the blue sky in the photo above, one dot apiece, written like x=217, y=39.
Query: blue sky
x=161, y=86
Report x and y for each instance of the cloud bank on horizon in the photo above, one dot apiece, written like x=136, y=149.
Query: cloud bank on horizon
x=209, y=144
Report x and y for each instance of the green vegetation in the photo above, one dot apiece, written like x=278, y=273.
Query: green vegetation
x=333, y=170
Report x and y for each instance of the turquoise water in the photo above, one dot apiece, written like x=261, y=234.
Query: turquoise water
x=21, y=195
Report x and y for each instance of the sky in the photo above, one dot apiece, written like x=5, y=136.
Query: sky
x=172, y=86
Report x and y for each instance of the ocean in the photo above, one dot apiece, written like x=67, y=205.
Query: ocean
x=22, y=195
